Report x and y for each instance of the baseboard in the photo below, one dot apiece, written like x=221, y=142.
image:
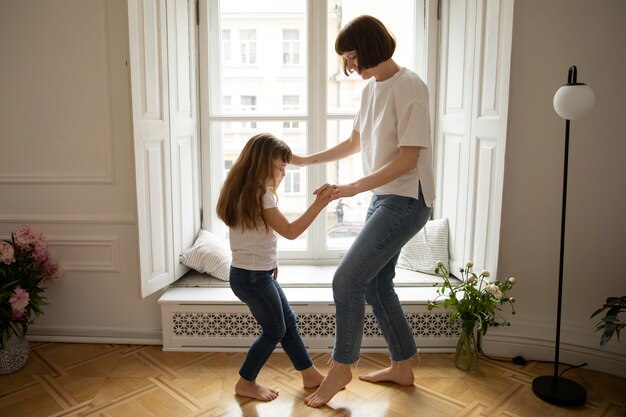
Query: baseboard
x=535, y=340
x=94, y=335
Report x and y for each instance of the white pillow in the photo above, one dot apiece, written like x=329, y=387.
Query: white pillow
x=428, y=246
x=209, y=255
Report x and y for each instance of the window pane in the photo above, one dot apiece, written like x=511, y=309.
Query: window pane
x=344, y=218
x=292, y=199
x=344, y=92
x=262, y=38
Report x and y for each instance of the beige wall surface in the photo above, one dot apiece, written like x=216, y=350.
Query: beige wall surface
x=66, y=162
x=66, y=167
x=549, y=37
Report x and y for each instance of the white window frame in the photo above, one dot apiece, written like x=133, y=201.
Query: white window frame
x=315, y=118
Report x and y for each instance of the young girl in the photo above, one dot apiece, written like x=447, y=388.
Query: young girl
x=247, y=204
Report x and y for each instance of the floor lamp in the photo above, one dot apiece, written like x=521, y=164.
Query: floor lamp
x=571, y=101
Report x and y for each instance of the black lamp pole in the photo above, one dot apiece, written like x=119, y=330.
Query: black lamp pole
x=554, y=388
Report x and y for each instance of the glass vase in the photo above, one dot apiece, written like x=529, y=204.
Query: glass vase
x=14, y=354
x=466, y=355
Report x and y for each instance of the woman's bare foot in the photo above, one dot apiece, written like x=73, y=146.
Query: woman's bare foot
x=312, y=377
x=251, y=389
x=339, y=375
x=400, y=373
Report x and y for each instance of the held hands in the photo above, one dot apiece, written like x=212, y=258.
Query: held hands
x=325, y=194
x=339, y=191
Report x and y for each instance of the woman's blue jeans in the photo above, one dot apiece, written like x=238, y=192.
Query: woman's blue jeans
x=269, y=306
x=366, y=274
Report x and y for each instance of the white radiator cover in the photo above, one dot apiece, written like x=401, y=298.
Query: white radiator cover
x=200, y=327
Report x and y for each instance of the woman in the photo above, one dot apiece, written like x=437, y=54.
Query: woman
x=392, y=132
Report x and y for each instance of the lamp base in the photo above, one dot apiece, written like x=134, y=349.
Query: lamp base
x=559, y=391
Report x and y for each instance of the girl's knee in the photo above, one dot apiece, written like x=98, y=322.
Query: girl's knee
x=276, y=333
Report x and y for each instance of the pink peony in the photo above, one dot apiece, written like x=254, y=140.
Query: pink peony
x=19, y=300
x=40, y=254
x=7, y=254
x=27, y=238
x=52, y=272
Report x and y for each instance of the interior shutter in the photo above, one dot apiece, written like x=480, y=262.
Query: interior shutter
x=162, y=64
x=472, y=108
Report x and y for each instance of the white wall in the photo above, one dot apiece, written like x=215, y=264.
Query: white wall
x=549, y=37
x=66, y=167
x=66, y=161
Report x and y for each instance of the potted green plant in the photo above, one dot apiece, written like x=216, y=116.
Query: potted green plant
x=476, y=302
x=611, y=323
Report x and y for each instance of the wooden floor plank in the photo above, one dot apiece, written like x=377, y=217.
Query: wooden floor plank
x=63, y=379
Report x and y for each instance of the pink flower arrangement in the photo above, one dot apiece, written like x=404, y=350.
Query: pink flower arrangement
x=24, y=265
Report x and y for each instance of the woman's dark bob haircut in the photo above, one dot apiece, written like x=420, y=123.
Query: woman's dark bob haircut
x=369, y=38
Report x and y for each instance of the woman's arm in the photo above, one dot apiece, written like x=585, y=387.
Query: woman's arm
x=405, y=160
x=291, y=230
x=342, y=150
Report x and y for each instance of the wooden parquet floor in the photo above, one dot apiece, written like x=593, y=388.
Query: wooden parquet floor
x=143, y=381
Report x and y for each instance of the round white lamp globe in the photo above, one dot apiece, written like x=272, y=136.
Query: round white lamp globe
x=572, y=101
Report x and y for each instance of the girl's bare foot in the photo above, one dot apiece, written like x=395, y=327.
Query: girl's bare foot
x=339, y=375
x=312, y=377
x=253, y=390
x=400, y=373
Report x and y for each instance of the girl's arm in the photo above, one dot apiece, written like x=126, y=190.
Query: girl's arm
x=291, y=230
x=342, y=150
x=405, y=160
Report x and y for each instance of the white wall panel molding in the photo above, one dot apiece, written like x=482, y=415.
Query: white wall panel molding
x=93, y=253
x=75, y=99
x=68, y=219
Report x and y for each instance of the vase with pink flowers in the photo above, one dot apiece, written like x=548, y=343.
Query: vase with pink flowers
x=25, y=269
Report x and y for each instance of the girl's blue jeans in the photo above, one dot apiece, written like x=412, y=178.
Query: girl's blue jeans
x=269, y=306
x=366, y=274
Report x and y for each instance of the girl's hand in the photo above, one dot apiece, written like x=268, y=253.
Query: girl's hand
x=325, y=193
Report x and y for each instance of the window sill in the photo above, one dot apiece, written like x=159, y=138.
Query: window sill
x=308, y=284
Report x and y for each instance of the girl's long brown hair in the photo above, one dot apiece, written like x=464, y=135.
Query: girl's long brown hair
x=240, y=203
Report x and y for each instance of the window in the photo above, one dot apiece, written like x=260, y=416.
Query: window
x=247, y=41
x=291, y=182
x=226, y=47
x=280, y=93
x=470, y=130
x=291, y=46
x=291, y=104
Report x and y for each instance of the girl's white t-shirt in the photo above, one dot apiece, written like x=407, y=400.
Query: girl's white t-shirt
x=395, y=113
x=255, y=250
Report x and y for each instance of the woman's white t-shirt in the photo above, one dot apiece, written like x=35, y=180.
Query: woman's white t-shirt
x=255, y=250
x=395, y=113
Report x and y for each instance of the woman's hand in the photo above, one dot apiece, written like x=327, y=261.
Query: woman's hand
x=298, y=160
x=340, y=191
